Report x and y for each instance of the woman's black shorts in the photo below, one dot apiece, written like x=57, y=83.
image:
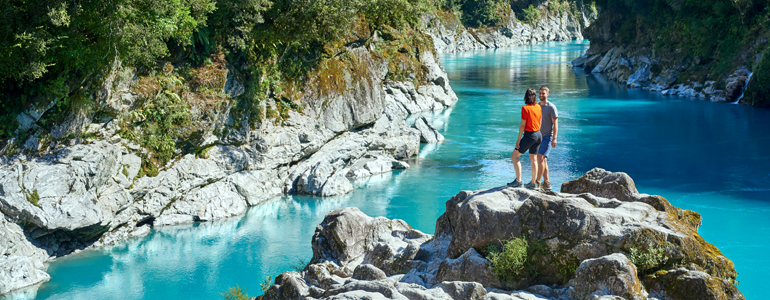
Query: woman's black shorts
x=530, y=141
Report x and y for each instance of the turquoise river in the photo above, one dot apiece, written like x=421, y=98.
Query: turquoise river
x=708, y=157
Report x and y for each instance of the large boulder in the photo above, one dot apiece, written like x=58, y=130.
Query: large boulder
x=348, y=238
x=428, y=134
x=613, y=274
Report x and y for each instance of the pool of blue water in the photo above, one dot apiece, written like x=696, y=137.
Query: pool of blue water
x=708, y=157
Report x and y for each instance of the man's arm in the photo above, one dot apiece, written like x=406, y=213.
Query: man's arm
x=555, y=131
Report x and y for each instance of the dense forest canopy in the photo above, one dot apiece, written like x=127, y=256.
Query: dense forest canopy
x=59, y=52
x=58, y=49
x=711, y=33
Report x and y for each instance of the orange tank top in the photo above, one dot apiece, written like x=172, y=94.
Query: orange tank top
x=531, y=113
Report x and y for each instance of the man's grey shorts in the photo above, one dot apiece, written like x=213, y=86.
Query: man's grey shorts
x=545, y=147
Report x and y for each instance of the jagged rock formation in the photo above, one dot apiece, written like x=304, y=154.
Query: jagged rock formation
x=637, y=65
x=584, y=237
x=450, y=36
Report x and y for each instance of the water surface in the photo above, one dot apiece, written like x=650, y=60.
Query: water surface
x=707, y=157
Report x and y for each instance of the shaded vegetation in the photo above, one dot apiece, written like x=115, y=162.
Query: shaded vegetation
x=236, y=293
x=758, y=90
x=711, y=36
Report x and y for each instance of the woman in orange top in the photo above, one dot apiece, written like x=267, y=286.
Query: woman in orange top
x=529, y=138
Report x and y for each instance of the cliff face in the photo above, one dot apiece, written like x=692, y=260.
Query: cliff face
x=582, y=243
x=649, y=50
x=450, y=36
x=92, y=180
x=89, y=194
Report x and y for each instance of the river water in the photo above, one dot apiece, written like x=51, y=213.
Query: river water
x=708, y=157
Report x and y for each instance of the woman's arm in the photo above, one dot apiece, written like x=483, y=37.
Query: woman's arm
x=521, y=132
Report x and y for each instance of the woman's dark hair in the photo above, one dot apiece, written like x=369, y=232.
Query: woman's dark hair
x=530, y=97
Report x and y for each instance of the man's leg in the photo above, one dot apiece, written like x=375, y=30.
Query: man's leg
x=542, y=167
x=533, y=162
x=516, y=163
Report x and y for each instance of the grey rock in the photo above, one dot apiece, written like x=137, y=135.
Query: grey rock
x=470, y=266
x=32, y=144
x=211, y=202
x=694, y=284
x=602, y=183
x=368, y=272
x=173, y=219
x=68, y=185
x=640, y=78
x=428, y=134
x=464, y=290
x=613, y=274
x=21, y=262
x=257, y=186
x=233, y=86
x=346, y=234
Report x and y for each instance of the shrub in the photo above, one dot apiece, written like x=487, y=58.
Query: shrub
x=651, y=258
x=509, y=263
x=235, y=293
x=531, y=14
x=556, y=6
x=33, y=198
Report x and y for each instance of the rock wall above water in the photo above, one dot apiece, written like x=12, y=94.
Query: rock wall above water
x=644, y=50
x=86, y=193
x=449, y=35
x=586, y=238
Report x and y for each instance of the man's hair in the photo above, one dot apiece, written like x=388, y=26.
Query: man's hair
x=530, y=97
x=546, y=89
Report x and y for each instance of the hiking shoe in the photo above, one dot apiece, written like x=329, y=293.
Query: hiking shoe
x=546, y=185
x=530, y=185
x=515, y=183
x=537, y=185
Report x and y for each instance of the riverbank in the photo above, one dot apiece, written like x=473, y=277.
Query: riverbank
x=701, y=50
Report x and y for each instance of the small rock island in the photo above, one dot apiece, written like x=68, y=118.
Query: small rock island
x=599, y=238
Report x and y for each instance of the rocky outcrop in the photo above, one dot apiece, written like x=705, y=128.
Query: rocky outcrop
x=582, y=245
x=449, y=35
x=88, y=193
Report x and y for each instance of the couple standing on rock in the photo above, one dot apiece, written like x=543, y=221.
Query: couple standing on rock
x=537, y=133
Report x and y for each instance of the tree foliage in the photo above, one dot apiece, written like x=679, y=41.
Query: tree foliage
x=712, y=31
x=52, y=37
x=478, y=13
